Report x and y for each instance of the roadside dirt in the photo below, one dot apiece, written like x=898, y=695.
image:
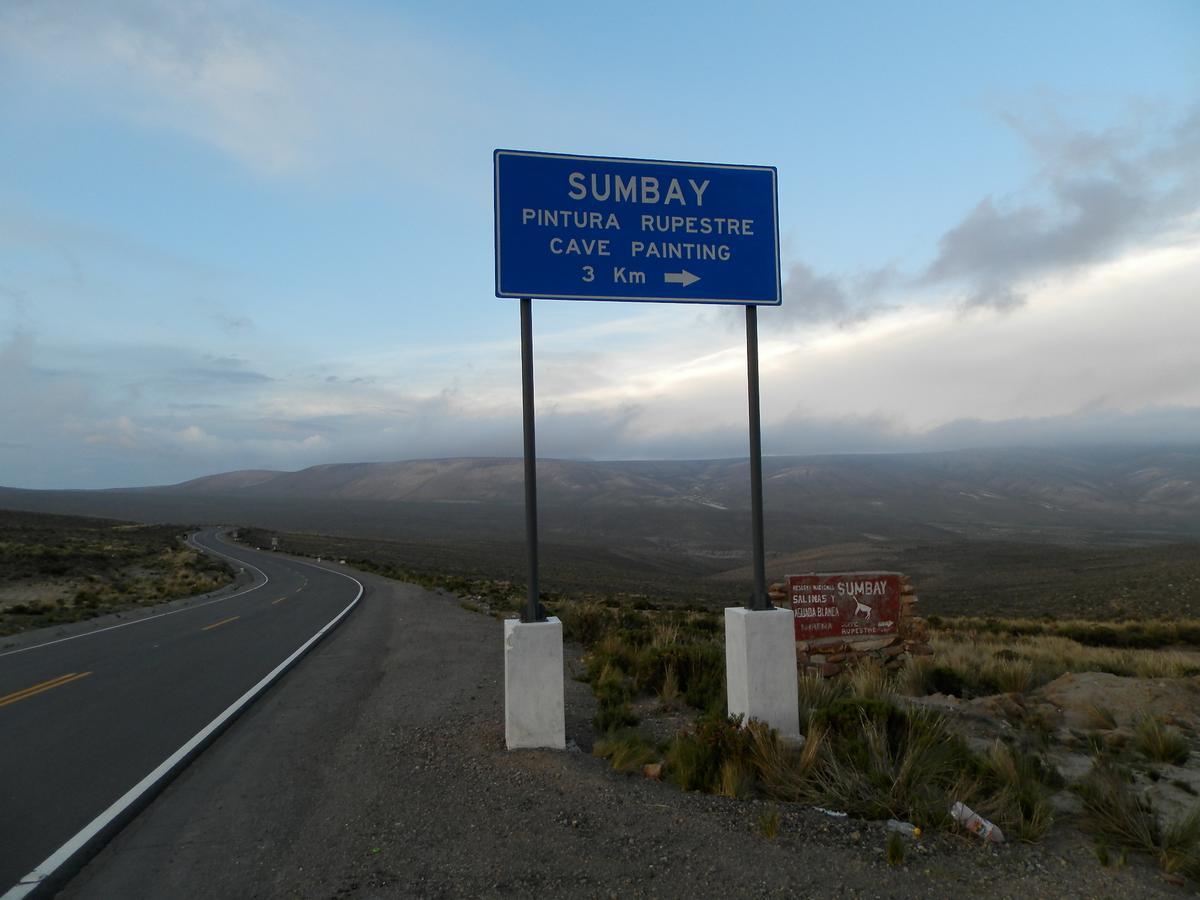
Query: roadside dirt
x=377, y=768
x=51, y=591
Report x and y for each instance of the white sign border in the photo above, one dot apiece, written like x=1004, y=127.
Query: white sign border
x=708, y=301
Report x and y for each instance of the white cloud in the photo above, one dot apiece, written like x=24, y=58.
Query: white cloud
x=1097, y=193
x=1118, y=336
x=214, y=71
x=281, y=89
x=1105, y=264
x=1102, y=352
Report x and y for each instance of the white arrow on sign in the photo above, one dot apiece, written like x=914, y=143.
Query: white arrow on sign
x=685, y=278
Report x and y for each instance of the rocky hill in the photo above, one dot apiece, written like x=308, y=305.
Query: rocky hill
x=1019, y=488
x=1015, y=530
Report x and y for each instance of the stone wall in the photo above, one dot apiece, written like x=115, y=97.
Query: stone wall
x=831, y=656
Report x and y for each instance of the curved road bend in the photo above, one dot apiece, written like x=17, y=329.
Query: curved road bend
x=85, y=720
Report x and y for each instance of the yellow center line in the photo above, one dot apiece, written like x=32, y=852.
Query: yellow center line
x=222, y=622
x=44, y=686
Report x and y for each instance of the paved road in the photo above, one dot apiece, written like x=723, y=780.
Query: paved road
x=86, y=720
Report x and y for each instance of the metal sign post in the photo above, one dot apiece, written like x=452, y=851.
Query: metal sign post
x=533, y=611
x=759, y=599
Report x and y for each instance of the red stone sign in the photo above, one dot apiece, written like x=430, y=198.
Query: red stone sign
x=845, y=604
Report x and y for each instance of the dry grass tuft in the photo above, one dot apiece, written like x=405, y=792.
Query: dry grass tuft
x=737, y=778
x=1161, y=743
x=1010, y=676
x=1115, y=813
x=894, y=849
x=871, y=682
x=1180, y=850
x=768, y=822
x=1100, y=717
x=783, y=768
x=668, y=694
x=665, y=634
x=815, y=693
x=981, y=664
x=1140, y=634
x=627, y=751
x=1017, y=798
x=877, y=762
x=914, y=678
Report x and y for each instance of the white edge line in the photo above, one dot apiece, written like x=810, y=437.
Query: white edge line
x=266, y=581
x=48, y=866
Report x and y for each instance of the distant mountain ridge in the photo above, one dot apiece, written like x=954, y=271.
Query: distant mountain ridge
x=1010, y=483
x=696, y=512
x=1009, y=525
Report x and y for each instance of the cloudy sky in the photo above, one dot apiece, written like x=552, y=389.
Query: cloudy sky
x=259, y=235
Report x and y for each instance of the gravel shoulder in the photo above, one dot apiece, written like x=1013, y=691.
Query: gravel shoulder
x=377, y=767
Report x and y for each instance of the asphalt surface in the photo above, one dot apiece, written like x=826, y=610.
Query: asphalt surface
x=85, y=718
x=382, y=728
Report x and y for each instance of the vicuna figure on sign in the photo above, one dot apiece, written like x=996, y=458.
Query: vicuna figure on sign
x=861, y=610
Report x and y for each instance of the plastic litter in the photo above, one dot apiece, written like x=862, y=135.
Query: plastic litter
x=908, y=829
x=976, y=823
x=831, y=812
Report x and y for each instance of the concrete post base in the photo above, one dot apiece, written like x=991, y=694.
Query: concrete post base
x=760, y=667
x=534, y=713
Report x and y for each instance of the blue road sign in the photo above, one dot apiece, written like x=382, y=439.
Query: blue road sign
x=603, y=228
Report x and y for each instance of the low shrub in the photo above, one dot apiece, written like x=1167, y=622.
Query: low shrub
x=782, y=767
x=1008, y=676
x=877, y=761
x=612, y=695
x=613, y=718
x=698, y=670
x=1161, y=743
x=815, y=692
x=946, y=680
x=975, y=664
x=698, y=756
x=914, y=678
x=1100, y=717
x=1114, y=812
x=584, y=622
x=1180, y=850
x=668, y=692
x=872, y=682
x=1148, y=634
x=627, y=751
x=768, y=822
x=737, y=778
x=634, y=653
x=611, y=650
x=843, y=717
x=894, y=849
x=1016, y=795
